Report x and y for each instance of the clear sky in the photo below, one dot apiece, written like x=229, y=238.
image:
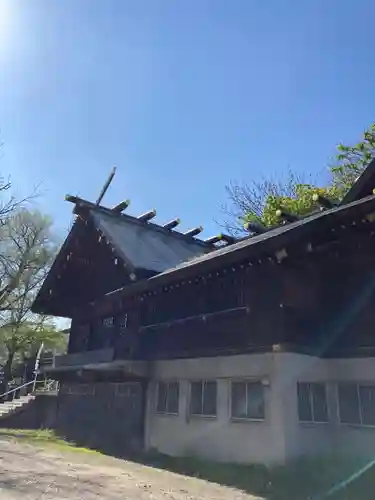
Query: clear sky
x=181, y=95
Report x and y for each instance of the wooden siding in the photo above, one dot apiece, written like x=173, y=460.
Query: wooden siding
x=299, y=301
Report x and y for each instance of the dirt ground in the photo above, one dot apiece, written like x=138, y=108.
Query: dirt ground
x=28, y=472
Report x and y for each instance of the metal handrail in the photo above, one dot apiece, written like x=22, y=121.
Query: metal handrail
x=19, y=387
x=50, y=386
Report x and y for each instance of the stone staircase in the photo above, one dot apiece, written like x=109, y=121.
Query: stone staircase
x=10, y=407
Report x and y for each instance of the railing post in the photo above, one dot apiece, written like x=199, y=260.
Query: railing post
x=34, y=383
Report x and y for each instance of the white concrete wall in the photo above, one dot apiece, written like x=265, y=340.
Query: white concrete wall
x=332, y=437
x=301, y=438
x=217, y=438
x=351, y=438
x=281, y=436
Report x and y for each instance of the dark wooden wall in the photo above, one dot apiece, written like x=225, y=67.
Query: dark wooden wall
x=251, y=305
x=90, y=270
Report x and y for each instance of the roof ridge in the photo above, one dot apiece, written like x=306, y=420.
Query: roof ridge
x=81, y=203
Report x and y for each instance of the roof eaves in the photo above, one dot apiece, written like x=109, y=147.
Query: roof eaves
x=275, y=238
x=54, y=267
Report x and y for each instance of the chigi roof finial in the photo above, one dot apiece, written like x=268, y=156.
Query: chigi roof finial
x=106, y=186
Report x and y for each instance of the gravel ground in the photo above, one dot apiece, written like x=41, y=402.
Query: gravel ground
x=29, y=472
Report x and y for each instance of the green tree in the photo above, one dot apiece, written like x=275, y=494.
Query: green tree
x=302, y=203
x=23, y=340
x=260, y=201
x=27, y=249
x=351, y=161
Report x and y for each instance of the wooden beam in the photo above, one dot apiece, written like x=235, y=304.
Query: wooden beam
x=228, y=239
x=172, y=224
x=194, y=232
x=120, y=207
x=213, y=239
x=72, y=199
x=323, y=201
x=147, y=215
x=282, y=214
x=255, y=227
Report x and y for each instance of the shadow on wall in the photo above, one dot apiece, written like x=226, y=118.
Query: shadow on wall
x=41, y=413
x=106, y=442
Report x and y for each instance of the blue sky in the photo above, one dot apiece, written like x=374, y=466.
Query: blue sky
x=181, y=95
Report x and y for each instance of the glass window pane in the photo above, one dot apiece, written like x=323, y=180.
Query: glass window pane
x=196, y=398
x=123, y=321
x=108, y=321
x=348, y=404
x=162, y=398
x=304, y=404
x=367, y=398
x=319, y=402
x=209, y=398
x=255, y=400
x=173, y=396
x=238, y=400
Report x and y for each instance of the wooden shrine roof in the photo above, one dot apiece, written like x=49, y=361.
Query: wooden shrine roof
x=147, y=245
x=255, y=246
x=169, y=255
x=363, y=186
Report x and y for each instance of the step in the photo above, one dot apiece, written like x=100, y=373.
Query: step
x=16, y=402
x=9, y=412
x=11, y=406
x=5, y=408
x=21, y=398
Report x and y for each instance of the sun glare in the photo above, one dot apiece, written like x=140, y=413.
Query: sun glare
x=5, y=22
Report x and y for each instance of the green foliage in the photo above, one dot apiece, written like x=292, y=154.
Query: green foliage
x=27, y=250
x=27, y=337
x=261, y=201
x=300, y=203
x=352, y=160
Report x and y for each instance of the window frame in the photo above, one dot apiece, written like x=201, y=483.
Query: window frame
x=358, y=385
x=246, y=381
x=108, y=325
x=168, y=383
x=122, y=321
x=311, y=401
x=124, y=389
x=203, y=381
x=80, y=389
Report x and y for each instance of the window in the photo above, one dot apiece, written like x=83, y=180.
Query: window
x=123, y=321
x=356, y=403
x=127, y=389
x=167, y=398
x=312, y=402
x=247, y=400
x=203, y=398
x=79, y=389
x=108, y=321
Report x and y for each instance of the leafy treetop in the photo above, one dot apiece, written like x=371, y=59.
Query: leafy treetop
x=259, y=201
